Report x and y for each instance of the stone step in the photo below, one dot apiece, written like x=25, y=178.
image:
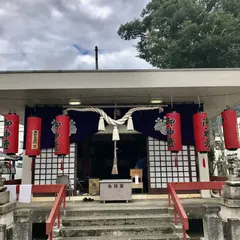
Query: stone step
x=117, y=231
x=128, y=210
x=117, y=220
x=153, y=237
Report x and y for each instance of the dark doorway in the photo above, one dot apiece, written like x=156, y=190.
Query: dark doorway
x=38, y=231
x=95, y=157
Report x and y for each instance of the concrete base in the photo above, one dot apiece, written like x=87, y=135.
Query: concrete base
x=22, y=227
x=6, y=213
x=212, y=223
x=4, y=197
x=228, y=212
x=3, y=232
x=230, y=202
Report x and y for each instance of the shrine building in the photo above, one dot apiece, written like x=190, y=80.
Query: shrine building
x=117, y=122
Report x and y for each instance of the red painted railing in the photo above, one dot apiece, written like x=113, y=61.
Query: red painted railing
x=178, y=208
x=55, y=212
x=60, y=189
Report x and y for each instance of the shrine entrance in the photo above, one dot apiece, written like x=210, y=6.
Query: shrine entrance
x=95, y=158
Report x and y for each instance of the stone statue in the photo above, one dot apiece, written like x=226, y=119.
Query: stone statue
x=234, y=170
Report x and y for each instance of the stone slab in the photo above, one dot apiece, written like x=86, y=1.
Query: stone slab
x=7, y=207
x=154, y=237
x=7, y=218
x=231, y=192
x=233, y=229
x=227, y=212
x=231, y=203
x=117, y=220
x=129, y=237
x=23, y=215
x=233, y=180
x=211, y=209
x=4, y=197
x=122, y=230
x=6, y=213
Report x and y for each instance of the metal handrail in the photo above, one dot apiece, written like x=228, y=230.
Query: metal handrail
x=178, y=208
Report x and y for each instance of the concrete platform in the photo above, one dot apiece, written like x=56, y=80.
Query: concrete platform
x=134, y=197
x=193, y=207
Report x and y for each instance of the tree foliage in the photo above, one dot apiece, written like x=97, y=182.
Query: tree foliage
x=211, y=161
x=187, y=33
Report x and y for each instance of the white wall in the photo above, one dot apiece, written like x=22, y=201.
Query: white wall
x=18, y=174
x=162, y=167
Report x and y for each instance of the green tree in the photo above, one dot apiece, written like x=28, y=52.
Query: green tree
x=187, y=33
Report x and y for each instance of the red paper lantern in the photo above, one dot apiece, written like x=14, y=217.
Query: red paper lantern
x=11, y=133
x=230, y=129
x=174, y=137
x=33, y=136
x=62, y=135
x=201, y=132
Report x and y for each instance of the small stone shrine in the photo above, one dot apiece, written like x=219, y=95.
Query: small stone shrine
x=230, y=202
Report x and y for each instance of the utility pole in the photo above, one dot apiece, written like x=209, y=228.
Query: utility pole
x=96, y=57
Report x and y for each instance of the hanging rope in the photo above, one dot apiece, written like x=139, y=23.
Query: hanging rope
x=111, y=121
x=115, y=123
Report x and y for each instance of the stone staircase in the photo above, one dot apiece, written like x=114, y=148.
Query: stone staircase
x=119, y=222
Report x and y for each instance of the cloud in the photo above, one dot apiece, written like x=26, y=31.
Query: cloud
x=124, y=59
x=60, y=34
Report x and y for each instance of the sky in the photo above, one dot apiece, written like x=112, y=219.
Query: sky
x=62, y=34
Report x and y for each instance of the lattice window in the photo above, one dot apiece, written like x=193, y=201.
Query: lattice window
x=162, y=167
x=47, y=166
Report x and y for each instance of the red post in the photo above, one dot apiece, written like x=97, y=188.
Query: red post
x=175, y=216
x=51, y=237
